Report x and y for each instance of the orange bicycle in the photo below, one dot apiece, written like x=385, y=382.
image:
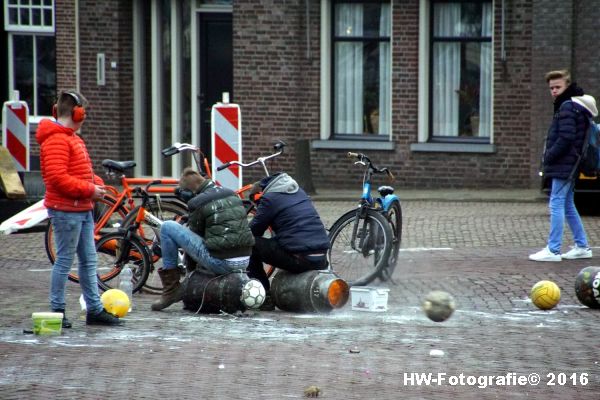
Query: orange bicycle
x=125, y=247
x=110, y=211
x=149, y=218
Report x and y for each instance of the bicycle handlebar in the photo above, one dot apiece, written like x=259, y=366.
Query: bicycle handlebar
x=199, y=158
x=278, y=146
x=260, y=160
x=362, y=158
x=178, y=148
x=223, y=166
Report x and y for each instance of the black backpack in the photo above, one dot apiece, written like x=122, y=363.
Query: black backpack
x=589, y=160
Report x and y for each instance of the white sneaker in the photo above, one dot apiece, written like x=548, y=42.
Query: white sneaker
x=545, y=255
x=577, y=252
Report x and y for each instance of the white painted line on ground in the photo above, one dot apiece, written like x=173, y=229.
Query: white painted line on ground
x=427, y=249
x=50, y=269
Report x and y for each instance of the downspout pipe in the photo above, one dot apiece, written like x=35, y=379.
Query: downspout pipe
x=308, y=53
x=502, y=40
x=77, y=62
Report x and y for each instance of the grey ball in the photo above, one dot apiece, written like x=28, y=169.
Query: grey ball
x=439, y=305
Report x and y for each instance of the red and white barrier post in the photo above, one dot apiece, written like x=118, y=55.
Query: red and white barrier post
x=27, y=218
x=226, y=129
x=15, y=131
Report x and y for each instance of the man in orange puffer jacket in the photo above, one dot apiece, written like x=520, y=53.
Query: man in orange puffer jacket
x=71, y=187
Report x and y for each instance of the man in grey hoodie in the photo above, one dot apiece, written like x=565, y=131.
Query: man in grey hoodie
x=572, y=109
x=300, y=243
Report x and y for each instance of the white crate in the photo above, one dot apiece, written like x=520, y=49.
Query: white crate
x=365, y=298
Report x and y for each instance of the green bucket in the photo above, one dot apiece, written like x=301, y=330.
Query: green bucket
x=47, y=323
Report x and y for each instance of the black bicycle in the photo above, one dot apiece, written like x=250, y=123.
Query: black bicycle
x=127, y=247
x=365, y=242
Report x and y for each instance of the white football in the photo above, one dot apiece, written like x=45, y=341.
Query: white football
x=253, y=294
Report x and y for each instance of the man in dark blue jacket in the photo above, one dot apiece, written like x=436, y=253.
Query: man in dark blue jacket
x=564, y=144
x=300, y=243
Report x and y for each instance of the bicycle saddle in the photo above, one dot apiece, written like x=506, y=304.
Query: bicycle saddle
x=385, y=190
x=119, y=166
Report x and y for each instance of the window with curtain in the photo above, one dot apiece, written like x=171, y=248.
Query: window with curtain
x=32, y=52
x=461, y=70
x=361, y=69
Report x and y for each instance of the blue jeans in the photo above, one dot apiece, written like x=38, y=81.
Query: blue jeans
x=74, y=233
x=562, y=206
x=174, y=235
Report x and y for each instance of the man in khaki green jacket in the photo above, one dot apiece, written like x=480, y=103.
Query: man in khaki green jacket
x=218, y=237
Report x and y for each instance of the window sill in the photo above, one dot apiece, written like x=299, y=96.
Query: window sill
x=353, y=144
x=453, y=147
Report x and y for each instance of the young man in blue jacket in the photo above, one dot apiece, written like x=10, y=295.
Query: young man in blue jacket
x=300, y=243
x=563, y=147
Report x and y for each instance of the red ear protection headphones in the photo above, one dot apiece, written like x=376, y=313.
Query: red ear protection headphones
x=78, y=111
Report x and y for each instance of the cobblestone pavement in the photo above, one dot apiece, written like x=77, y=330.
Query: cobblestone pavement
x=475, y=251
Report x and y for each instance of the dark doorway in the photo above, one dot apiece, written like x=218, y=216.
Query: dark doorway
x=216, y=68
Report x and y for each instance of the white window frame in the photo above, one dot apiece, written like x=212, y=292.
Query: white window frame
x=423, y=102
x=325, y=69
x=326, y=140
x=16, y=4
x=26, y=30
x=423, y=118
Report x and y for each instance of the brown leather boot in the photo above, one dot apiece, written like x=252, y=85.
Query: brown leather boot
x=172, y=290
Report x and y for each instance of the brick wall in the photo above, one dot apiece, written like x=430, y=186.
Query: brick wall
x=66, y=51
x=551, y=50
x=66, y=64
x=563, y=36
x=105, y=27
x=275, y=83
x=271, y=70
x=586, y=68
x=510, y=166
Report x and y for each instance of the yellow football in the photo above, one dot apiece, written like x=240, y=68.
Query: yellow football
x=116, y=302
x=545, y=295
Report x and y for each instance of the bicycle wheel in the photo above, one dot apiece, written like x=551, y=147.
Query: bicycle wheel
x=360, y=246
x=165, y=211
x=394, y=217
x=111, y=260
x=101, y=207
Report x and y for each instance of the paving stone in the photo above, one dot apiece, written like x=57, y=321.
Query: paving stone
x=274, y=355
